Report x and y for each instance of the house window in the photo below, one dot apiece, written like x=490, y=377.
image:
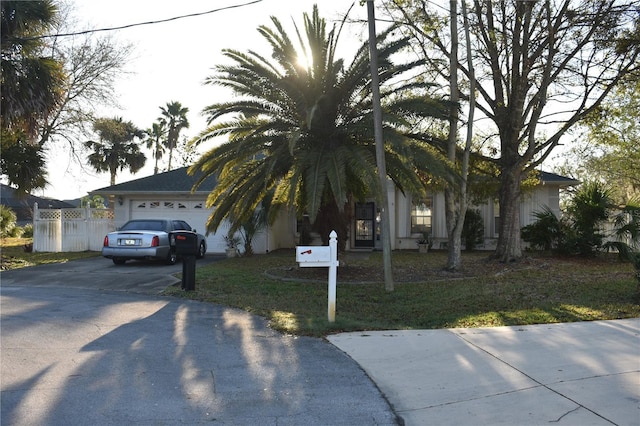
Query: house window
x=182, y=206
x=168, y=204
x=496, y=218
x=142, y=205
x=421, y=215
x=197, y=206
x=154, y=204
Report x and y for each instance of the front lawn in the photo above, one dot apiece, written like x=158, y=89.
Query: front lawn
x=539, y=289
x=13, y=255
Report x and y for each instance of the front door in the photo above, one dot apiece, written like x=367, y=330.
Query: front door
x=365, y=225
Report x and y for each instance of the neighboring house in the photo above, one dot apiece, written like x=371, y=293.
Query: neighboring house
x=22, y=205
x=169, y=195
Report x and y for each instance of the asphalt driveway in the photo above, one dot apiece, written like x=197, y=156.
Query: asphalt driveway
x=90, y=343
x=98, y=273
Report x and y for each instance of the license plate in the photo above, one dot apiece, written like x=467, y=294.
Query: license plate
x=129, y=242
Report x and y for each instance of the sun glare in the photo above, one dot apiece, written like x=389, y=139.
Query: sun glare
x=304, y=62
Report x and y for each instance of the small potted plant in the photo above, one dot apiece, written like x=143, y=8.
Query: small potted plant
x=425, y=242
x=232, y=245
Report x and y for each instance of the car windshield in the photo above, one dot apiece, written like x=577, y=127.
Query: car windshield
x=144, y=225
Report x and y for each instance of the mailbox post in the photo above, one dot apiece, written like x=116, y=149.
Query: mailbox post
x=185, y=244
x=323, y=256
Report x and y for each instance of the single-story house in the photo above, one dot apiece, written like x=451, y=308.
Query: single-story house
x=169, y=195
x=22, y=205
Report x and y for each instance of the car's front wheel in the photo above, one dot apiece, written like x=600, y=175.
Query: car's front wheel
x=119, y=260
x=171, y=258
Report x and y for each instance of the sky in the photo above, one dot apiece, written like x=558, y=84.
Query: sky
x=171, y=60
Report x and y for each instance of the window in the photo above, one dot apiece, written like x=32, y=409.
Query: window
x=421, y=215
x=168, y=204
x=496, y=218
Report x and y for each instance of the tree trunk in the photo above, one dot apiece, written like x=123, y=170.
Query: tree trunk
x=453, y=204
x=509, y=246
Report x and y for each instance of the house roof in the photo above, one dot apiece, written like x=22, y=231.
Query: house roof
x=10, y=198
x=22, y=205
x=179, y=181
x=547, y=177
x=174, y=181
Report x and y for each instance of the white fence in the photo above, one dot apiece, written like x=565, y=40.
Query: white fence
x=64, y=230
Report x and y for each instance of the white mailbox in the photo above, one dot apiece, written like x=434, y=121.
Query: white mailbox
x=313, y=256
x=323, y=256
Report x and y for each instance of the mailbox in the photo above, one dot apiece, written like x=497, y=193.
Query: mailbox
x=313, y=256
x=184, y=243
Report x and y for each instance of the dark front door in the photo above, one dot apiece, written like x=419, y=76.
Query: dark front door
x=365, y=225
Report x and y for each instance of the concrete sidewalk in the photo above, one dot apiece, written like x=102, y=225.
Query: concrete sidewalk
x=585, y=373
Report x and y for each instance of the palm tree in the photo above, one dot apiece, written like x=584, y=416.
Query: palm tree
x=174, y=116
x=116, y=149
x=31, y=85
x=31, y=82
x=305, y=132
x=155, y=140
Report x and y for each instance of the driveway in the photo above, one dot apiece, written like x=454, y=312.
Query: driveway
x=98, y=273
x=90, y=343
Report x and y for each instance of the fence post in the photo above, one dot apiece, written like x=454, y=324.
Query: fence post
x=35, y=228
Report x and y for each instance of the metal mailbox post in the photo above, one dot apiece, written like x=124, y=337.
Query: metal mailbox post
x=323, y=256
x=185, y=245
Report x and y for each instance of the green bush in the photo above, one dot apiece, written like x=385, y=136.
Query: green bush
x=547, y=232
x=16, y=232
x=27, y=231
x=473, y=229
x=7, y=221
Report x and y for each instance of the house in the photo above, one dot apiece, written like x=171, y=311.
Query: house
x=22, y=205
x=169, y=195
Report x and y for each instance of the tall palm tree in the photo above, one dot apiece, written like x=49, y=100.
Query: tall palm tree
x=174, y=116
x=306, y=131
x=31, y=81
x=31, y=85
x=116, y=149
x=155, y=141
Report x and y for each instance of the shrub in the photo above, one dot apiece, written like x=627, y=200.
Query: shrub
x=27, y=231
x=7, y=221
x=547, y=232
x=473, y=229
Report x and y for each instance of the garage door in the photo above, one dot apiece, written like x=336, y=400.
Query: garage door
x=193, y=212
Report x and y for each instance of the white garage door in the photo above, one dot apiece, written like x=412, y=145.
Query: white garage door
x=193, y=212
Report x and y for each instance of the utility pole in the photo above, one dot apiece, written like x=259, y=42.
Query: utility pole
x=382, y=169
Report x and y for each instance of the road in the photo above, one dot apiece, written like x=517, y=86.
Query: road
x=88, y=342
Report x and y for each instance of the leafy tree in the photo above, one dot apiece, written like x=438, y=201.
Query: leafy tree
x=116, y=148
x=174, y=116
x=95, y=202
x=31, y=86
x=156, y=142
x=69, y=77
x=305, y=131
x=609, y=148
x=540, y=68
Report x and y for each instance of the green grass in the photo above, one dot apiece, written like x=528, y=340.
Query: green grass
x=541, y=289
x=13, y=255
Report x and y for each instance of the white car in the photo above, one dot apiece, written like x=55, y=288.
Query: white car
x=147, y=239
